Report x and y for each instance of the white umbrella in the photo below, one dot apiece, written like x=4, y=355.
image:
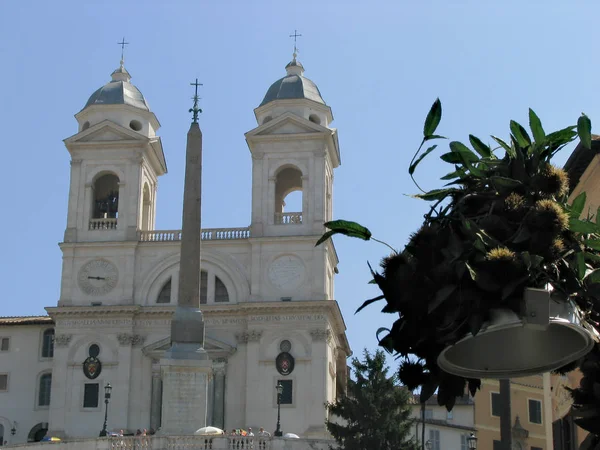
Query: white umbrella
x=291, y=436
x=209, y=430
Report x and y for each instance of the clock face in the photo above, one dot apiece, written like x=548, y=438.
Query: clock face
x=98, y=277
x=286, y=272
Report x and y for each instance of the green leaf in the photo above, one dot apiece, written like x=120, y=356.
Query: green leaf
x=433, y=136
x=578, y=205
x=414, y=165
x=581, y=268
x=509, y=151
x=436, y=194
x=484, y=150
x=455, y=158
x=471, y=272
x=433, y=118
x=520, y=134
x=584, y=130
x=458, y=173
x=368, y=302
x=462, y=149
x=506, y=182
x=325, y=236
x=561, y=137
x=387, y=343
x=593, y=277
x=536, y=127
x=592, y=243
x=579, y=226
x=428, y=389
x=440, y=296
x=467, y=156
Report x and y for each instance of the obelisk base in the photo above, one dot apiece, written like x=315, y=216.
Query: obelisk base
x=185, y=395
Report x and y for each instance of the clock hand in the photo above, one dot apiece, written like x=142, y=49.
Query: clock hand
x=96, y=278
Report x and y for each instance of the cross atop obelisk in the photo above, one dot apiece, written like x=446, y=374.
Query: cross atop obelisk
x=195, y=109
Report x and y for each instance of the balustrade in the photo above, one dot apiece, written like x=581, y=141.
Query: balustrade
x=131, y=443
x=103, y=224
x=208, y=234
x=291, y=218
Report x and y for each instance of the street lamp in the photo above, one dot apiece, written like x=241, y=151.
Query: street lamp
x=429, y=445
x=13, y=430
x=107, y=390
x=472, y=442
x=279, y=389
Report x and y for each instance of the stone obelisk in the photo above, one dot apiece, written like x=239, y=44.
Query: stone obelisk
x=186, y=367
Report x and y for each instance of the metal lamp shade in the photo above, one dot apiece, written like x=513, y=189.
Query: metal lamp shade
x=508, y=346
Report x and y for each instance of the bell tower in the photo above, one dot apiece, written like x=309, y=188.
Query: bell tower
x=116, y=159
x=293, y=149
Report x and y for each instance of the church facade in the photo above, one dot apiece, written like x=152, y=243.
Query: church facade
x=266, y=291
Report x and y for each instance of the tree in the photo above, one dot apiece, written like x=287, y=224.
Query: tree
x=376, y=412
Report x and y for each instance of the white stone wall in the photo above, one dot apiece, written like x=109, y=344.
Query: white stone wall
x=24, y=365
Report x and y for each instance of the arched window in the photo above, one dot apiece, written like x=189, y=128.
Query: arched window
x=165, y=293
x=221, y=294
x=48, y=344
x=44, y=389
x=288, y=181
x=1, y=434
x=106, y=197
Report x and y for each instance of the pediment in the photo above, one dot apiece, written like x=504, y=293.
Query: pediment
x=106, y=131
x=288, y=123
x=214, y=347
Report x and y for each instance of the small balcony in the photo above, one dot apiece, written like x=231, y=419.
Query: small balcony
x=103, y=224
x=291, y=218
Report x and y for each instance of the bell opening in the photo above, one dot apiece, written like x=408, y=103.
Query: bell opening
x=516, y=350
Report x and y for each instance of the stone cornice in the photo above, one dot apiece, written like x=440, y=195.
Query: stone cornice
x=329, y=308
x=308, y=136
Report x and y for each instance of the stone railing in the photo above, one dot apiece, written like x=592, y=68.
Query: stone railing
x=103, y=224
x=131, y=443
x=181, y=443
x=208, y=234
x=291, y=218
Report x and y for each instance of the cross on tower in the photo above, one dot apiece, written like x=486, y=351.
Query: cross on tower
x=295, y=36
x=195, y=110
x=123, y=44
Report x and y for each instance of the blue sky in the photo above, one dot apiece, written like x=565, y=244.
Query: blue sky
x=379, y=65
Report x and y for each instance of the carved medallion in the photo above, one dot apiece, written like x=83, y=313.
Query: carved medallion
x=284, y=363
x=92, y=367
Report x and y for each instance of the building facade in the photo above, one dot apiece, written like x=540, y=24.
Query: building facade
x=444, y=430
x=529, y=417
x=267, y=293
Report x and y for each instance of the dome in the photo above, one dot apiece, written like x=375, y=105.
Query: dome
x=293, y=86
x=119, y=91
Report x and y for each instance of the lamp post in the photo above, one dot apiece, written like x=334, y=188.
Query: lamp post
x=107, y=390
x=472, y=442
x=279, y=389
x=429, y=445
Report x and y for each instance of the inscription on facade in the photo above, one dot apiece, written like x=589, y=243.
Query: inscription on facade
x=265, y=318
x=99, y=323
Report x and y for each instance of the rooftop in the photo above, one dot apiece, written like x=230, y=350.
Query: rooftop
x=26, y=320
